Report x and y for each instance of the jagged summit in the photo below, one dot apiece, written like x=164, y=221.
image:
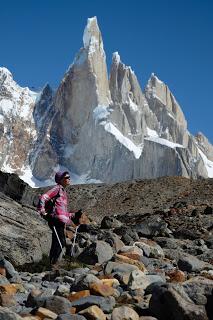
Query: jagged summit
x=92, y=36
x=116, y=58
x=4, y=72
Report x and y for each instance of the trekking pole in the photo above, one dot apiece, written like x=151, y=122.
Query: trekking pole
x=74, y=240
x=58, y=240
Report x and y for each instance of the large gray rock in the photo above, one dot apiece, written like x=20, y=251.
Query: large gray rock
x=139, y=280
x=59, y=305
x=189, y=263
x=7, y=314
x=25, y=237
x=124, y=312
x=168, y=303
x=106, y=304
x=97, y=252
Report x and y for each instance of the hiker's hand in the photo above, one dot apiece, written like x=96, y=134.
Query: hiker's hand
x=79, y=212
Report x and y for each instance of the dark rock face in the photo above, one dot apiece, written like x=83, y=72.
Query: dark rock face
x=167, y=303
x=24, y=236
x=98, y=252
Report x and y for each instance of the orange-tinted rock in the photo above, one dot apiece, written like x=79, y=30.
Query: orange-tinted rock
x=3, y=272
x=30, y=317
x=84, y=219
x=176, y=276
x=78, y=295
x=110, y=282
x=44, y=313
x=93, y=313
x=8, y=288
x=105, y=276
x=7, y=300
x=121, y=258
x=101, y=289
x=69, y=234
x=133, y=256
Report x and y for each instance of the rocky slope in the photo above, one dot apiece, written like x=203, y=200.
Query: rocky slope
x=100, y=129
x=146, y=254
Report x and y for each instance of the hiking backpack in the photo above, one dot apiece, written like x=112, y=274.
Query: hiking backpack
x=49, y=206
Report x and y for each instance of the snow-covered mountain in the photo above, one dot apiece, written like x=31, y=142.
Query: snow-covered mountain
x=100, y=128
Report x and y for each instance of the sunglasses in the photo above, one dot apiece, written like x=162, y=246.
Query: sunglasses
x=67, y=177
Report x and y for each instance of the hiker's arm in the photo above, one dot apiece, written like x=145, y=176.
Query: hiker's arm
x=46, y=197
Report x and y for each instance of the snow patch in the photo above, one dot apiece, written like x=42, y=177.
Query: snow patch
x=116, y=57
x=32, y=181
x=208, y=164
x=35, y=183
x=89, y=39
x=100, y=113
x=133, y=105
x=137, y=150
x=152, y=133
x=1, y=118
x=153, y=136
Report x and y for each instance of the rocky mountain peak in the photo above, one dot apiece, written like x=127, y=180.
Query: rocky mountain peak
x=168, y=111
x=116, y=58
x=204, y=144
x=98, y=128
x=92, y=38
x=5, y=74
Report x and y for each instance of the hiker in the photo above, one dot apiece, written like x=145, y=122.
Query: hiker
x=59, y=216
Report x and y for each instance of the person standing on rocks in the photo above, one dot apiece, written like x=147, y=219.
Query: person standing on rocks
x=59, y=216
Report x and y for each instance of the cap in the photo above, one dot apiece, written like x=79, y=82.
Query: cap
x=60, y=175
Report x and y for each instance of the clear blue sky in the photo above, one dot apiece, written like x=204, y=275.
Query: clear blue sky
x=172, y=38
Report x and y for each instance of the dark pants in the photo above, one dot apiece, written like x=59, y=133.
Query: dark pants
x=55, y=251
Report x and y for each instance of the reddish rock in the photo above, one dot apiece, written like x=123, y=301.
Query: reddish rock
x=3, y=271
x=101, y=289
x=78, y=295
x=84, y=219
x=176, y=276
x=69, y=234
x=133, y=256
x=8, y=288
x=110, y=282
x=122, y=259
x=93, y=313
x=44, y=313
x=7, y=300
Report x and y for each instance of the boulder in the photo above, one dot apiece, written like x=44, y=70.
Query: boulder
x=57, y=304
x=150, y=248
x=25, y=237
x=115, y=267
x=190, y=263
x=110, y=223
x=166, y=303
x=124, y=312
x=93, y=313
x=7, y=314
x=105, y=304
x=97, y=252
x=139, y=280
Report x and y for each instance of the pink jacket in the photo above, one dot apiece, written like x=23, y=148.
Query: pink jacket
x=60, y=209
